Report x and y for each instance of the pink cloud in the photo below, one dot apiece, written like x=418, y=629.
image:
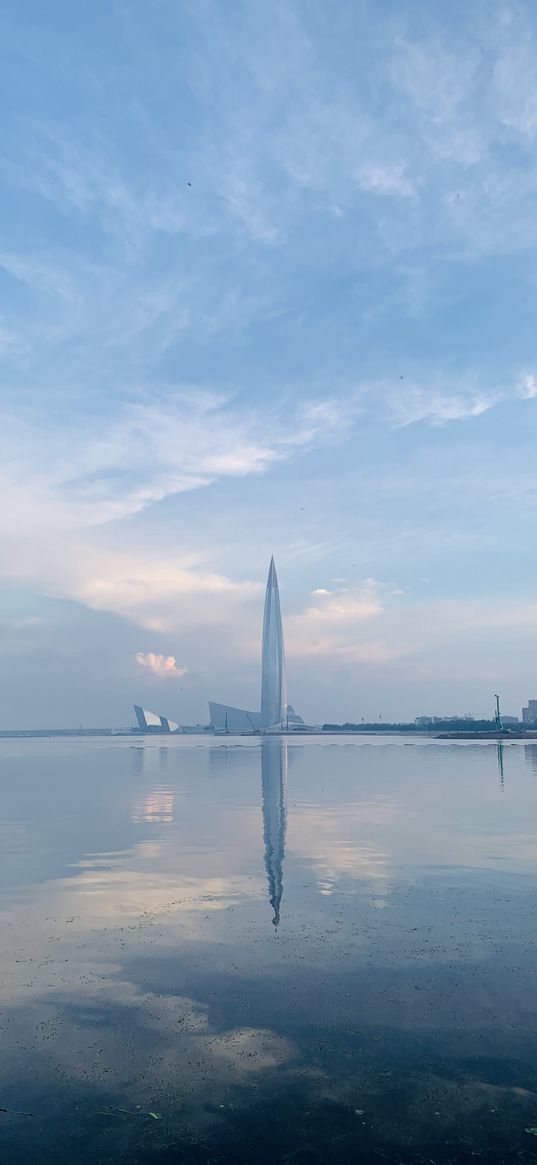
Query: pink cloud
x=160, y=665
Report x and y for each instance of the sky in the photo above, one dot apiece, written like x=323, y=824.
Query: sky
x=268, y=279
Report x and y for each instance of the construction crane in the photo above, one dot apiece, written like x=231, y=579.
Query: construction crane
x=497, y=717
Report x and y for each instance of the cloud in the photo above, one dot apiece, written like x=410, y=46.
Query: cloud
x=82, y=487
x=71, y=497
x=154, y=447
x=378, y=624
x=403, y=401
x=330, y=625
x=419, y=403
x=423, y=640
x=515, y=71
x=163, y=666
x=386, y=179
x=527, y=387
x=440, y=84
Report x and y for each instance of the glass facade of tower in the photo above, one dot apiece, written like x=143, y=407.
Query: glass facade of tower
x=273, y=680
x=276, y=714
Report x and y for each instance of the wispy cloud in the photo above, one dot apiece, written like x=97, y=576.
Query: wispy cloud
x=527, y=386
x=331, y=625
x=85, y=481
x=152, y=448
x=404, y=400
x=441, y=84
x=387, y=179
x=515, y=74
x=414, y=403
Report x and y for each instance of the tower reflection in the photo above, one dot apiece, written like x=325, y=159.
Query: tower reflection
x=530, y=752
x=274, y=790
x=499, y=748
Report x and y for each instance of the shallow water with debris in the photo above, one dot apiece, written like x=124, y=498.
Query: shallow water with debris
x=260, y=951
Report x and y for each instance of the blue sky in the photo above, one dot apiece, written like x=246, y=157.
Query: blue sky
x=268, y=283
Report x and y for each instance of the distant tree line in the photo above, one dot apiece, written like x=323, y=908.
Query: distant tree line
x=438, y=726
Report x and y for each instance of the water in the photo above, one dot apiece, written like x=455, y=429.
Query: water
x=313, y=951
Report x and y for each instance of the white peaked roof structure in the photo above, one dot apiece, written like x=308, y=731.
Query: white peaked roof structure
x=276, y=714
x=153, y=721
x=228, y=719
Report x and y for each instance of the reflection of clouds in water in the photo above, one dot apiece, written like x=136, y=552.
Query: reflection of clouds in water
x=156, y=806
x=251, y=1049
x=361, y=860
x=91, y=963
x=139, y=1041
x=274, y=790
x=324, y=839
x=150, y=851
x=135, y=894
x=73, y=934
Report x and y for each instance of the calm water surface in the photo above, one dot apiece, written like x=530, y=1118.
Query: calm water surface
x=234, y=951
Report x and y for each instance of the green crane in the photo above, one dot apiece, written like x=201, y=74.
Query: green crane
x=497, y=717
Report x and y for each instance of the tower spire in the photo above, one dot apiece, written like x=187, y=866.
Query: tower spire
x=273, y=679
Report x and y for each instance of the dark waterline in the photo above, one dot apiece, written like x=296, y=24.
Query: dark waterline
x=261, y=951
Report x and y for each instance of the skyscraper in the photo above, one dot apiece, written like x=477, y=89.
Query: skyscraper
x=273, y=680
x=276, y=714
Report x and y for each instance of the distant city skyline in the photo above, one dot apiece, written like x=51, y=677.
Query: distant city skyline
x=267, y=285
x=237, y=721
